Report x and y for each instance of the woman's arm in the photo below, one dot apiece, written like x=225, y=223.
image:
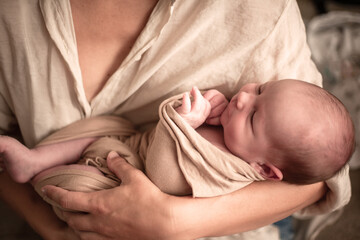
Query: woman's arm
x=257, y=205
x=28, y=204
x=138, y=210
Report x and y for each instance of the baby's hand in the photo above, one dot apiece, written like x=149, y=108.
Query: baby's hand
x=195, y=113
x=218, y=104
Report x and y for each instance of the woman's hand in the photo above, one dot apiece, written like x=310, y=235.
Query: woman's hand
x=136, y=209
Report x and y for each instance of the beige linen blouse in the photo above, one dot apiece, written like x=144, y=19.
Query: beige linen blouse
x=210, y=44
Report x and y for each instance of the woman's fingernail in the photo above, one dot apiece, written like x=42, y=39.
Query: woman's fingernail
x=112, y=155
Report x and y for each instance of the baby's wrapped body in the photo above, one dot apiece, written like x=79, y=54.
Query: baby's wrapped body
x=173, y=155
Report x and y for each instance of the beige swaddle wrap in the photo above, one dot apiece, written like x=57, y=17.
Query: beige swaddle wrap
x=173, y=155
x=207, y=169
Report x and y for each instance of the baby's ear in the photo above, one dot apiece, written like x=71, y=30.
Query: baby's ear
x=268, y=171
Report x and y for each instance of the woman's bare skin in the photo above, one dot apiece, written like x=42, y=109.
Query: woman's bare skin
x=115, y=26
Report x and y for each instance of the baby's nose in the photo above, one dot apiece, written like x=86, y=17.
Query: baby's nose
x=244, y=100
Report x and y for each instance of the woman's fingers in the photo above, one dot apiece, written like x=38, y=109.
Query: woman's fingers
x=122, y=169
x=79, y=221
x=77, y=201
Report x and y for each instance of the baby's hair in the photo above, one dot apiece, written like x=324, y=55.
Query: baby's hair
x=306, y=162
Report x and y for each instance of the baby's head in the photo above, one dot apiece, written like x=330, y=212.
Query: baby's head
x=289, y=130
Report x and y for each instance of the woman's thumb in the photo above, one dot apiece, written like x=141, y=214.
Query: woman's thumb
x=121, y=168
x=117, y=164
x=112, y=155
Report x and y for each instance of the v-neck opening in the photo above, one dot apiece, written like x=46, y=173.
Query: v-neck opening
x=152, y=30
x=59, y=22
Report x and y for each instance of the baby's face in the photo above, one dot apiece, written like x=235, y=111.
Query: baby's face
x=260, y=113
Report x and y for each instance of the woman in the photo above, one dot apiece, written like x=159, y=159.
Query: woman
x=63, y=61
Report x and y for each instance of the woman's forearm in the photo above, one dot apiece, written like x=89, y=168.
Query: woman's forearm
x=28, y=204
x=257, y=205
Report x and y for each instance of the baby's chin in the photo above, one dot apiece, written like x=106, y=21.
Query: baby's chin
x=223, y=118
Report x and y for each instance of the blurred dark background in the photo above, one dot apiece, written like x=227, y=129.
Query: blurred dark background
x=341, y=73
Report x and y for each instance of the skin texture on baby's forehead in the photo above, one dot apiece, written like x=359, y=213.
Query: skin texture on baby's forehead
x=282, y=88
x=289, y=96
x=286, y=97
x=289, y=111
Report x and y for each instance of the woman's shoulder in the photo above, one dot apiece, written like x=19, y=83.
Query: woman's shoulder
x=262, y=15
x=19, y=17
x=13, y=8
x=255, y=18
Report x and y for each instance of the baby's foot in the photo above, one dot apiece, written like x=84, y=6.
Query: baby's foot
x=16, y=159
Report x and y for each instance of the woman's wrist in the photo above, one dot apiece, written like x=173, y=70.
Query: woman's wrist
x=192, y=218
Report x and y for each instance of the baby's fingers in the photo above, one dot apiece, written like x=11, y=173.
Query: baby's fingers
x=195, y=92
x=213, y=121
x=215, y=98
x=185, y=108
x=217, y=110
x=200, y=104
